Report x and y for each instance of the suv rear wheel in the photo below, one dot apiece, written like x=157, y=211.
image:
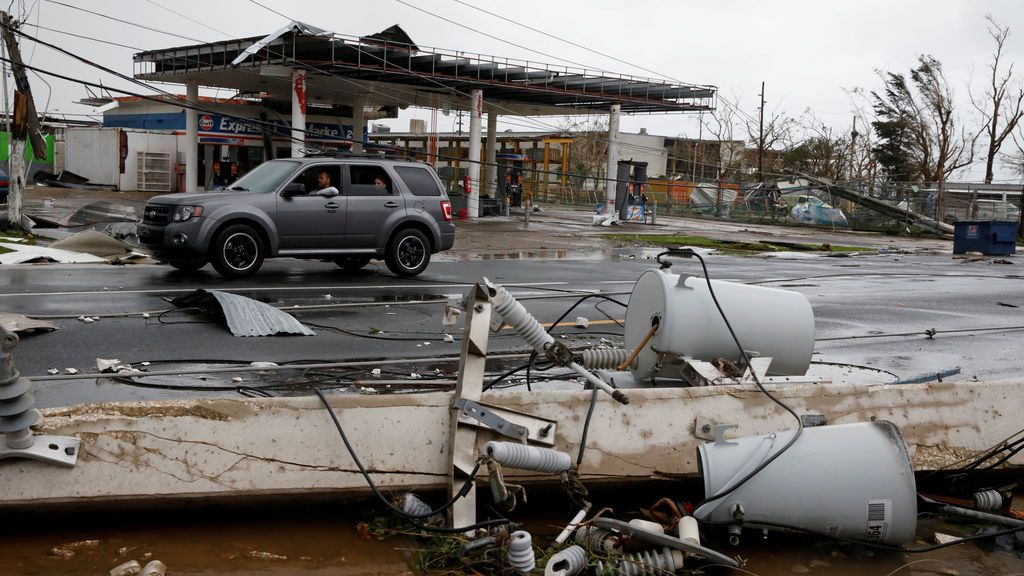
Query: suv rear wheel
x=237, y=251
x=408, y=253
x=352, y=263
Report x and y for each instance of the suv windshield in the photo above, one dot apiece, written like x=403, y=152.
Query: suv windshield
x=266, y=177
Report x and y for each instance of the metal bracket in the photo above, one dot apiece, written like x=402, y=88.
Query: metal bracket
x=58, y=450
x=516, y=425
x=706, y=429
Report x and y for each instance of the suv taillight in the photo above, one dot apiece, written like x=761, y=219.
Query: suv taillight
x=446, y=209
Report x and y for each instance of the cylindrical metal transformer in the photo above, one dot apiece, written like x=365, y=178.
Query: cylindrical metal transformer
x=849, y=480
x=768, y=322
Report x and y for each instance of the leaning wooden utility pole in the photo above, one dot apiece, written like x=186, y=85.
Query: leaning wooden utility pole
x=25, y=123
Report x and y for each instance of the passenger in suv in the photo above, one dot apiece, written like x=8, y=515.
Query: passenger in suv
x=370, y=208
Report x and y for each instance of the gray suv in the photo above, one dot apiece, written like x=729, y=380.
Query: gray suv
x=349, y=209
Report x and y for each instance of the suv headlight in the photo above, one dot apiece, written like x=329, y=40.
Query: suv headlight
x=183, y=213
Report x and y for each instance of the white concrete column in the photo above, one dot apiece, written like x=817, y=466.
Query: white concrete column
x=358, y=123
x=491, y=171
x=298, y=112
x=191, y=136
x=613, y=158
x=476, y=112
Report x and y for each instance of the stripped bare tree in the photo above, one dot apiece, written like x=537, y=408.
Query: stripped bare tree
x=1000, y=106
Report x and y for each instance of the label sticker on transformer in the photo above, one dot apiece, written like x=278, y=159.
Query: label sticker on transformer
x=879, y=514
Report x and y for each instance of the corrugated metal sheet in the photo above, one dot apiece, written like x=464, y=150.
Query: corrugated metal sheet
x=94, y=154
x=245, y=316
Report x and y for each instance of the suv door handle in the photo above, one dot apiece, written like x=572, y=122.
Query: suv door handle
x=332, y=206
x=391, y=204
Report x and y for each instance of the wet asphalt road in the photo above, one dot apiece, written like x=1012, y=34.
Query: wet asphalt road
x=854, y=296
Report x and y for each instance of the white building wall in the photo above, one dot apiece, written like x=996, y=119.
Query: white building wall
x=148, y=142
x=645, y=148
x=93, y=153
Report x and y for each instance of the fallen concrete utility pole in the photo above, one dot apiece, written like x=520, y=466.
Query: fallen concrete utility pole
x=25, y=122
x=881, y=206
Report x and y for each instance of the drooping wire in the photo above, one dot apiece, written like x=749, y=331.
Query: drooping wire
x=686, y=252
x=463, y=491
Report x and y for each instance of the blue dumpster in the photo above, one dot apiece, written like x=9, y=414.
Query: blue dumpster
x=990, y=237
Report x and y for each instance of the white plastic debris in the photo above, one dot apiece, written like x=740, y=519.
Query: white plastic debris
x=145, y=315
x=71, y=370
x=129, y=568
x=262, y=364
x=327, y=296
x=107, y=364
x=95, y=318
x=426, y=343
x=582, y=322
x=449, y=338
x=52, y=371
x=367, y=390
x=415, y=376
x=87, y=320
x=146, y=363
x=236, y=379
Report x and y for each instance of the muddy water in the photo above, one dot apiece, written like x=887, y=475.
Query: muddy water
x=322, y=538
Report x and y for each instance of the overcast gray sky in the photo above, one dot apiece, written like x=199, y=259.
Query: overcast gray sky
x=809, y=53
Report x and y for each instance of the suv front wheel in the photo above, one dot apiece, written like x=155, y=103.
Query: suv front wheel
x=237, y=251
x=408, y=253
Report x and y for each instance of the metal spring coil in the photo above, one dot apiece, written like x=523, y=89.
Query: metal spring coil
x=567, y=562
x=596, y=540
x=520, y=552
x=516, y=316
x=528, y=457
x=647, y=563
x=608, y=359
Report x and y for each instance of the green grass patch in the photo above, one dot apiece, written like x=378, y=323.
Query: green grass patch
x=730, y=245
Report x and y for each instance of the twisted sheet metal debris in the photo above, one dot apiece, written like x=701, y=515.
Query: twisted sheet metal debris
x=244, y=316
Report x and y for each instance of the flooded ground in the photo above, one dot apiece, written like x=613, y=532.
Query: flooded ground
x=320, y=538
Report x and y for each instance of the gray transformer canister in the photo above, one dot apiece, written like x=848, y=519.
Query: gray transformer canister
x=849, y=480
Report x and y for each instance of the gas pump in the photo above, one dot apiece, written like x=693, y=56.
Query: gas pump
x=631, y=191
x=510, y=178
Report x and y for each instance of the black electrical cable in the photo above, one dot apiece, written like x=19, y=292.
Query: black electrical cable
x=466, y=486
x=586, y=428
x=686, y=252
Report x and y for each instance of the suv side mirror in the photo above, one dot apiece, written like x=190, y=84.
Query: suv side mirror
x=294, y=189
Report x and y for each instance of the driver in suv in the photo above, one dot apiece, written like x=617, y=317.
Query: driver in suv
x=349, y=209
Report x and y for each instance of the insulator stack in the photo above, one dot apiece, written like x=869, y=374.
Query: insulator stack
x=597, y=540
x=608, y=359
x=516, y=316
x=520, y=553
x=17, y=403
x=526, y=457
x=647, y=563
x=567, y=562
x=988, y=500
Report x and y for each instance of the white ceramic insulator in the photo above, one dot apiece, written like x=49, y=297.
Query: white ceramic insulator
x=520, y=553
x=412, y=505
x=596, y=540
x=516, y=316
x=988, y=500
x=567, y=562
x=526, y=457
x=604, y=359
x=689, y=531
x=647, y=563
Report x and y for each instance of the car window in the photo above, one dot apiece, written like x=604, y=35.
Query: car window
x=319, y=177
x=368, y=180
x=266, y=177
x=419, y=180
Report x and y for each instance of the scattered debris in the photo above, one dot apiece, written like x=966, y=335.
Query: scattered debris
x=60, y=552
x=129, y=568
x=244, y=316
x=145, y=315
x=941, y=538
x=52, y=371
x=1001, y=261
x=375, y=372
x=449, y=338
x=99, y=244
x=1008, y=305
x=257, y=555
x=154, y=568
x=236, y=379
x=18, y=323
x=25, y=254
x=929, y=376
x=582, y=322
x=71, y=370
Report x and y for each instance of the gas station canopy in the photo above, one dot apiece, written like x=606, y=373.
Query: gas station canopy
x=388, y=69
